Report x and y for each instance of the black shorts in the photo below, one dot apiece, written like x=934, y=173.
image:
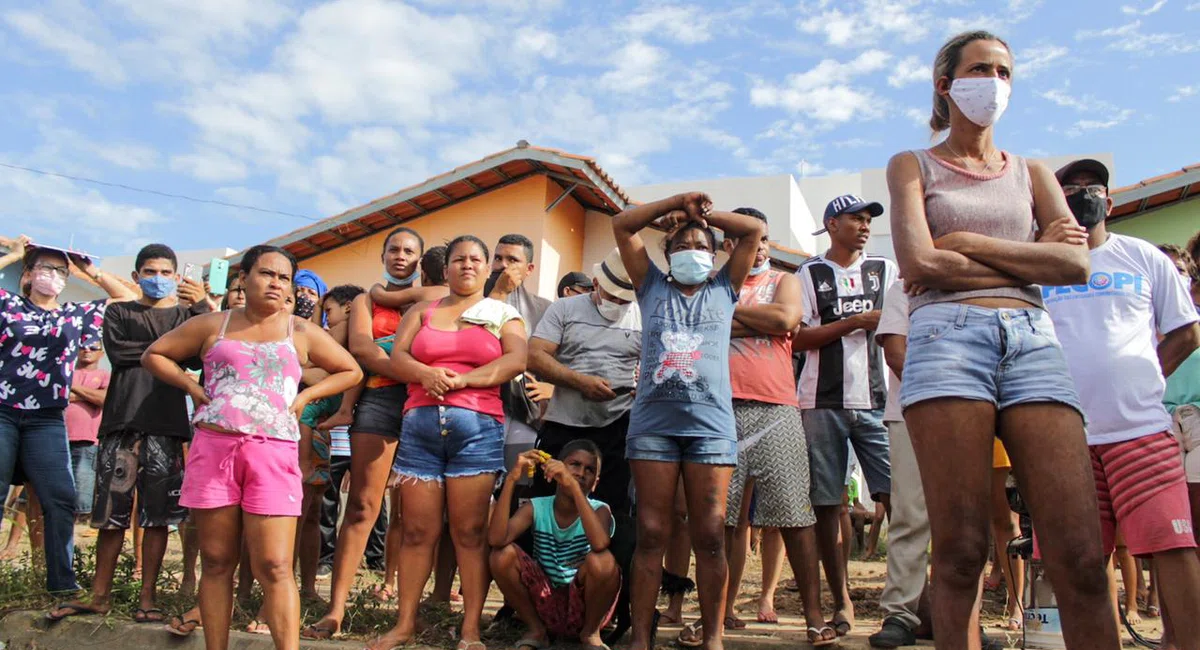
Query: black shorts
x=615, y=475
x=153, y=466
x=380, y=411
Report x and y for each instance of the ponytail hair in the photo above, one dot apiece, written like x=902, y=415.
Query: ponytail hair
x=944, y=64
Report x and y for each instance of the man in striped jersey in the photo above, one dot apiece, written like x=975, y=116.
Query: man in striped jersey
x=842, y=387
x=569, y=588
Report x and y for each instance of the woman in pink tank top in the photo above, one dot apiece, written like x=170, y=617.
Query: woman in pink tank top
x=455, y=354
x=243, y=477
x=982, y=358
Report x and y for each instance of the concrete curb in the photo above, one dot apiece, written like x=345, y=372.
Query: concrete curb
x=29, y=630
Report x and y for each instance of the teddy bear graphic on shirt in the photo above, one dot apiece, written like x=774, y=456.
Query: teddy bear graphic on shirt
x=680, y=352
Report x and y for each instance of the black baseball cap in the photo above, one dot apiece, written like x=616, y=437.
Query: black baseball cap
x=574, y=279
x=848, y=203
x=1083, y=165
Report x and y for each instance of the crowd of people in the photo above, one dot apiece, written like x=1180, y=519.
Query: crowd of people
x=564, y=449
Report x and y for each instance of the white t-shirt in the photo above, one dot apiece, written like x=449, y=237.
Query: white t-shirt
x=894, y=321
x=1109, y=332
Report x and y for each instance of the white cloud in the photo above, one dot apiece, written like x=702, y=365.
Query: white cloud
x=1135, y=11
x=1130, y=38
x=908, y=71
x=1183, y=92
x=1083, y=126
x=687, y=25
x=824, y=93
x=635, y=66
x=66, y=40
x=867, y=22
x=55, y=209
x=1033, y=60
x=917, y=116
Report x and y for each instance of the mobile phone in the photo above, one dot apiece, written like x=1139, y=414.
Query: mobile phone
x=218, y=276
x=188, y=269
x=622, y=390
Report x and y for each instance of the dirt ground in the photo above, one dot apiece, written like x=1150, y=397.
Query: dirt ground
x=866, y=584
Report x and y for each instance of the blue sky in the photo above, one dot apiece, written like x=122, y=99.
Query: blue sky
x=315, y=107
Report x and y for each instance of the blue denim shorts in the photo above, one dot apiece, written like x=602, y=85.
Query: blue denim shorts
x=703, y=450
x=1003, y=356
x=830, y=434
x=439, y=442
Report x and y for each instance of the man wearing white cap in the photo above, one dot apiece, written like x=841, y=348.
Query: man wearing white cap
x=588, y=346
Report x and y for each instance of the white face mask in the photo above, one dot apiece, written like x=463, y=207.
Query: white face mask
x=759, y=270
x=981, y=99
x=612, y=311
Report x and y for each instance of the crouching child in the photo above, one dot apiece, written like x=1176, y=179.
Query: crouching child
x=569, y=588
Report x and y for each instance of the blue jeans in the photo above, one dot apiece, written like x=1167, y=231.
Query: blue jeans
x=38, y=438
x=828, y=432
x=83, y=464
x=701, y=450
x=440, y=442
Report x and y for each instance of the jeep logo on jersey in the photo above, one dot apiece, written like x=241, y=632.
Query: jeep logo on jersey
x=851, y=306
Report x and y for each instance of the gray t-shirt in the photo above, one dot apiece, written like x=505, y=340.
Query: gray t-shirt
x=684, y=387
x=590, y=344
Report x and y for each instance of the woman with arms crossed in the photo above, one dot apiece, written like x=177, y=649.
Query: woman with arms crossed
x=983, y=359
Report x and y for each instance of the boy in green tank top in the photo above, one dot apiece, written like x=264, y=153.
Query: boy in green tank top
x=569, y=588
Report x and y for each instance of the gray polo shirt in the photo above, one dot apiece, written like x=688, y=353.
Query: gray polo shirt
x=590, y=344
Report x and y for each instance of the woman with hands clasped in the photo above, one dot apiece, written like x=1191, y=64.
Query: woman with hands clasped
x=682, y=421
x=243, y=470
x=455, y=353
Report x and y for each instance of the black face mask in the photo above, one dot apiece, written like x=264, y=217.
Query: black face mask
x=305, y=307
x=1088, y=209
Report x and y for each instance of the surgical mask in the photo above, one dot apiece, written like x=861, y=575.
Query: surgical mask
x=305, y=306
x=691, y=267
x=157, y=287
x=1088, y=208
x=981, y=99
x=612, y=311
x=759, y=270
x=400, y=282
x=48, y=283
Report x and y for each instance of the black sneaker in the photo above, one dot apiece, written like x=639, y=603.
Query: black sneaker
x=893, y=634
x=324, y=571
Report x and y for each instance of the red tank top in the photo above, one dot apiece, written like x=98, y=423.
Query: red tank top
x=760, y=367
x=461, y=351
x=384, y=323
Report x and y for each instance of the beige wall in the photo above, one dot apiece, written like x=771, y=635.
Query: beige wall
x=558, y=236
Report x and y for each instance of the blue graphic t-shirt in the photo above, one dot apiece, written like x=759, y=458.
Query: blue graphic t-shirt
x=38, y=349
x=683, y=387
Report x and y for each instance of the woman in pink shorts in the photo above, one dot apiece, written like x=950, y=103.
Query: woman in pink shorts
x=243, y=471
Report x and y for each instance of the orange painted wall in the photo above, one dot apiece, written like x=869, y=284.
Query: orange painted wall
x=558, y=236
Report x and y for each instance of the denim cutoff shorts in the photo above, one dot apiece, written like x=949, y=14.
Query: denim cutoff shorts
x=439, y=442
x=1003, y=356
x=703, y=450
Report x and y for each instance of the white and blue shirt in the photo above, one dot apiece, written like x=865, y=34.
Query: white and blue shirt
x=1109, y=331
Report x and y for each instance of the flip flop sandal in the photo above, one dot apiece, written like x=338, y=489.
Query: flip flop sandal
x=183, y=628
x=733, y=623
x=467, y=645
x=318, y=632
x=530, y=642
x=691, y=636
x=817, y=637
x=258, y=627
x=72, y=610
x=151, y=615
x=841, y=628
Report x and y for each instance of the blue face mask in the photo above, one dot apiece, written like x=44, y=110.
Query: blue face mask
x=691, y=267
x=759, y=270
x=402, y=282
x=157, y=287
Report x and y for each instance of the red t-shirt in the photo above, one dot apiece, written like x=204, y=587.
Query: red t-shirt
x=83, y=417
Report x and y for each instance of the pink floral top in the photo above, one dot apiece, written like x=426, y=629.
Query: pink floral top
x=251, y=387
